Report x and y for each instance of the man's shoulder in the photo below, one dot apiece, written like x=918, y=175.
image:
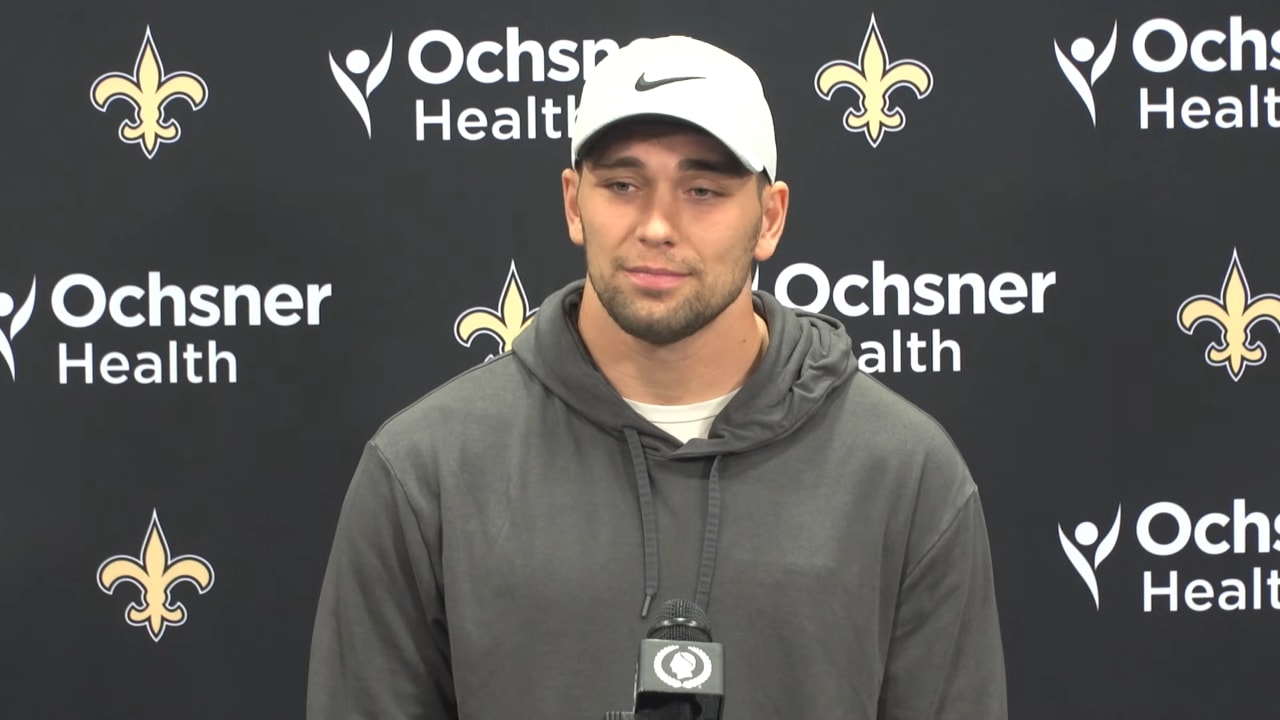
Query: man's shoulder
x=891, y=421
x=465, y=404
x=881, y=427
x=909, y=449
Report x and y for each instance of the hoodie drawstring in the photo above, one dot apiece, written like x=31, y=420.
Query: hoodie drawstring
x=648, y=523
x=712, y=539
x=649, y=527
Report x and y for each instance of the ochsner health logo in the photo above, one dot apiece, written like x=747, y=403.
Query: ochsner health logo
x=80, y=301
x=1173, y=58
x=513, y=70
x=357, y=63
x=1232, y=543
x=17, y=321
x=1082, y=51
x=1086, y=535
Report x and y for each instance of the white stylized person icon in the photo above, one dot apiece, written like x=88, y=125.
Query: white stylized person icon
x=1086, y=535
x=682, y=665
x=20, y=319
x=1082, y=51
x=357, y=63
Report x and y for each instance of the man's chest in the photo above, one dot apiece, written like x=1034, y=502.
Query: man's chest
x=555, y=539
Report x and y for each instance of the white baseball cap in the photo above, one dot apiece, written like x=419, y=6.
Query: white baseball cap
x=685, y=79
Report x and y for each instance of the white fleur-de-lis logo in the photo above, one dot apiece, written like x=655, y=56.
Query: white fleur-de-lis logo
x=154, y=572
x=512, y=317
x=149, y=89
x=873, y=78
x=1234, y=313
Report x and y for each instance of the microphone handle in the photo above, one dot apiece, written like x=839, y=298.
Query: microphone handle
x=670, y=711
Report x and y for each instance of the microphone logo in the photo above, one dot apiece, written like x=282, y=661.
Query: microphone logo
x=677, y=670
x=1086, y=535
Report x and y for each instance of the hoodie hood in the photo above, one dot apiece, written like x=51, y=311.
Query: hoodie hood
x=808, y=356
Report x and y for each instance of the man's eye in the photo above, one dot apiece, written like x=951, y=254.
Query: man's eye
x=703, y=192
x=620, y=186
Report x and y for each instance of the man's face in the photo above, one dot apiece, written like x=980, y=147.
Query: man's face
x=670, y=223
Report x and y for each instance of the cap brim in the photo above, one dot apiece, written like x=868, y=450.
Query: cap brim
x=593, y=137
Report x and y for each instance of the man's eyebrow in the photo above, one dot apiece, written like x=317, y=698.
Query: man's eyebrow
x=719, y=166
x=621, y=162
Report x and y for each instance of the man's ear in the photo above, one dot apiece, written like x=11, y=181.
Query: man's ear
x=570, y=179
x=775, y=199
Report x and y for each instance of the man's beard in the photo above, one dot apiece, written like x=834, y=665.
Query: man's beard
x=693, y=312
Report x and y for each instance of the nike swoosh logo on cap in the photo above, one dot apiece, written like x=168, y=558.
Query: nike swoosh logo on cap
x=642, y=84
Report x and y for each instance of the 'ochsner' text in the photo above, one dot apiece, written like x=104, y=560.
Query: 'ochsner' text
x=438, y=57
x=81, y=301
x=1161, y=45
x=1216, y=533
x=806, y=286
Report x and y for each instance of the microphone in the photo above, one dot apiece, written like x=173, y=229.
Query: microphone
x=681, y=671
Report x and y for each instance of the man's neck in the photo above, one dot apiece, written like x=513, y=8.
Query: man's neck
x=712, y=362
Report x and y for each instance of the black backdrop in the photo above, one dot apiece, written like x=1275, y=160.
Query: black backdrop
x=1093, y=403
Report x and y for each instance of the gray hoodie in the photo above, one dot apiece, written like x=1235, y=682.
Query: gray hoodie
x=508, y=538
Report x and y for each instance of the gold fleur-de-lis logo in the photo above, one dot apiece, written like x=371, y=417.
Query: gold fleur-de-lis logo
x=149, y=89
x=1235, y=311
x=873, y=77
x=504, y=324
x=155, y=573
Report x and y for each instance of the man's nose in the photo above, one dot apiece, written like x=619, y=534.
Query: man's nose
x=657, y=227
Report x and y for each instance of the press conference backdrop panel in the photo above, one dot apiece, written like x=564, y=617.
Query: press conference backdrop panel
x=238, y=236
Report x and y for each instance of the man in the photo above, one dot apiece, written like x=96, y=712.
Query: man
x=660, y=431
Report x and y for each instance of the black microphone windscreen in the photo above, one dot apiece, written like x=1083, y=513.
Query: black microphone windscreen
x=681, y=621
